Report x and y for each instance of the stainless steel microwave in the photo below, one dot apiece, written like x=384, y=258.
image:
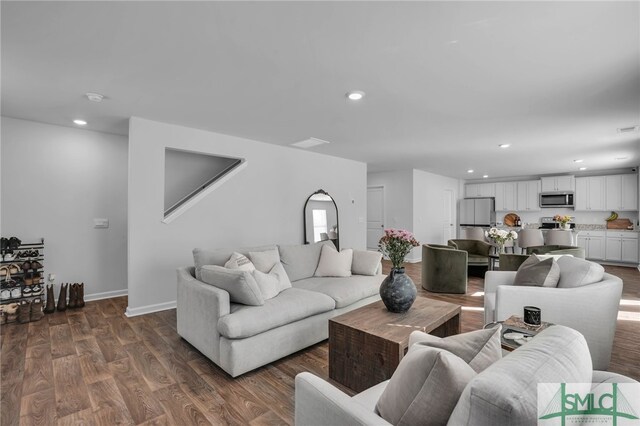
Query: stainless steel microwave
x=556, y=199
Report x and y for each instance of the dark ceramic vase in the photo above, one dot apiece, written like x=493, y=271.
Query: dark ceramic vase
x=397, y=291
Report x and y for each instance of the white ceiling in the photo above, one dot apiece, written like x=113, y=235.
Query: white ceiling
x=445, y=82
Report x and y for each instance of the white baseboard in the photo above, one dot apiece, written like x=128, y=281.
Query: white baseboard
x=134, y=312
x=106, y=295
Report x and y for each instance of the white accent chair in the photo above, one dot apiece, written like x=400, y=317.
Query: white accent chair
x=475, y=234
x=591, y=309
x=559, y=237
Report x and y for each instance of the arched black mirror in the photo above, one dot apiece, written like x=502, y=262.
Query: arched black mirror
x=321, y=218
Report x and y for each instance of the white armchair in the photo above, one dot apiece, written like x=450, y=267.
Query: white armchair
x=591, y=309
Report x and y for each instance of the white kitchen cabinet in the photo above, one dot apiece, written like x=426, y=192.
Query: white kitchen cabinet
x=590, y=193
x=557, y=183
x=506, y=199
x=621, y=192
x=622, y=246
x=593, y=243
x=476, y=190
x=527, y=195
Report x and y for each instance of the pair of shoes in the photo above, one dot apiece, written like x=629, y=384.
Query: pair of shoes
x=34, y=264
x=62, y=299
x=14, y=243
x=28, y=253
x=24, y=312
x=11, y=310
x=76, y=296
x=36, y=309
x=16, y=293
x=33, y=279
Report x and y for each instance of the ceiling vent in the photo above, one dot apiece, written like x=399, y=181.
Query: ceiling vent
x=631, y=129
x=308, y=143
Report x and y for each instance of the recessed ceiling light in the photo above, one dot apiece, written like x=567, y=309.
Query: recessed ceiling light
x=80, y=122
x=470, y=171
x=308, y=143
x=583, y=168
x=504, y=145
x=94, y=97
x=355, y=95
x=578, y=161
x=485, y=176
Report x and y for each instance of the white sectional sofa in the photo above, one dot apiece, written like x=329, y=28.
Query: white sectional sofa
x=240, y=338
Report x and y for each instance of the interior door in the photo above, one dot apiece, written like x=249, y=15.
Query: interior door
x=448, y=216
x=375, y=216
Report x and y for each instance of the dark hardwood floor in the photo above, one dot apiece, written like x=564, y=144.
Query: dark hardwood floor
x=96, y=366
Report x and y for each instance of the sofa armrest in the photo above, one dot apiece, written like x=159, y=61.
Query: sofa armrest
x=320, y=403
x=199, y=306
x=493, y=279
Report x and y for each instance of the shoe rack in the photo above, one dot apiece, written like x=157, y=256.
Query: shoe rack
x=22, y=273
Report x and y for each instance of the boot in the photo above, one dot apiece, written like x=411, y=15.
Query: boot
x=51, y=302
x=24, y=312
x=36, y=309
x=62, y=299
x=80, y=290
x=73, y=296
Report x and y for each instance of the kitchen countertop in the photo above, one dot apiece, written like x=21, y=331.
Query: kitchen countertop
x=579, y=227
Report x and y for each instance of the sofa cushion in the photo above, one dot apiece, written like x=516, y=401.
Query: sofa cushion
x=576, y=272
x=274, y=282
x=365, y=262
x=333, y=263
x=479, y=349
x=344, y=291
x=291, y=305
x=425, y=387
x=506, y=392
x=219, y=257
x=301, y=261
x=539, y=273
x=241, y=285
x=264, y=261
x=239, y=261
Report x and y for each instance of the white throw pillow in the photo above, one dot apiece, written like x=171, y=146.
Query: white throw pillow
x=241, y=285
x=264, y=261
x=365, y=262
x=425, y=387
x=239, y=261
x=273, y=283
x=576, y=272
x=333, y=263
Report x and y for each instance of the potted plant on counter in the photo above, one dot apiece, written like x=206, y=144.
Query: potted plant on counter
x=563, y=221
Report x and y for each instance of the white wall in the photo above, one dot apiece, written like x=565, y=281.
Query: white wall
x=262, y=204
x=428, y=207
x=414, y=201
x=398, y=197
x=55, y=180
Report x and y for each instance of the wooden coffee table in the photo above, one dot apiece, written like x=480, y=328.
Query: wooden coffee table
x=367, y=344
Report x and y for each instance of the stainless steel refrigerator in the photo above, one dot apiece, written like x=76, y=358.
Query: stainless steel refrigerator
x=477, y=212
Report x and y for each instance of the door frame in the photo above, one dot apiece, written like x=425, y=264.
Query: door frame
x=384, y=215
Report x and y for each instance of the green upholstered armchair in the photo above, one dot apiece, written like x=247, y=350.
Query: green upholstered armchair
x=478, y=251
x=444, y=269
x=511, y=262
x=557, y=249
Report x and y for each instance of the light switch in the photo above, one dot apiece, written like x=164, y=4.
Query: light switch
x=100, y=223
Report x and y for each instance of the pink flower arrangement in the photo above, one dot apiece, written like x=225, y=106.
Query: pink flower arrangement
x=396, y=244
x=562, y=219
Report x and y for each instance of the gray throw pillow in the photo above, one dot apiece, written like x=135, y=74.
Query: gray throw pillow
x=534, y=272
x=425, y=388
x=365, y=262
x=241, y=285
x=479, y=349
x=301, y=261
x=576, y=272
x=264, y=261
